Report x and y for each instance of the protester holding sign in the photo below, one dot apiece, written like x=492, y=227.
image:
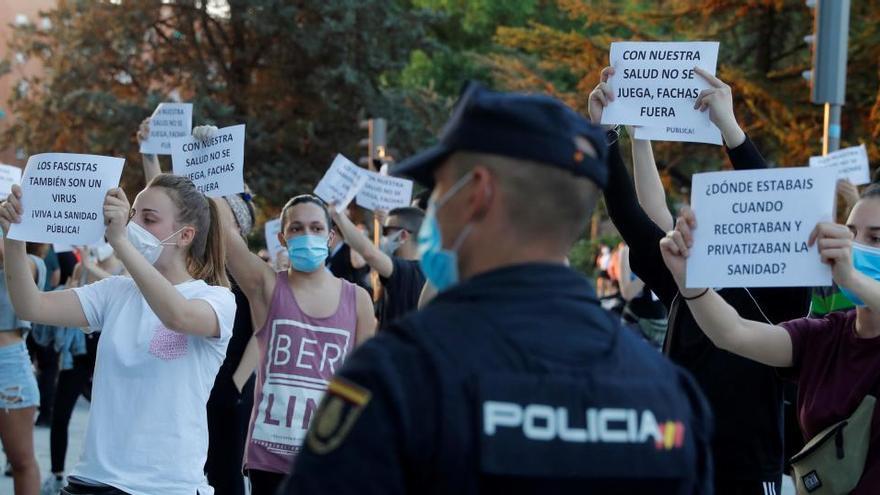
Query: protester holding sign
x=306, y=322
x=164, y=335
x=19, y=394
x=79, y=354
x=835, y=359
x=745, y=396
x=396, y=259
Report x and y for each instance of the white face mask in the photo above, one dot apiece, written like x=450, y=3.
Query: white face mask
x=146, y=243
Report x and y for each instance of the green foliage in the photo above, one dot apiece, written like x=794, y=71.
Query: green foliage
x=300, y=75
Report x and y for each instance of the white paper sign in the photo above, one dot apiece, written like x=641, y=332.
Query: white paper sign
x=345, y=180
x=341, y=181
x=385, y=193
x=693, y=134
x=9, y=176
x=215, y=165
x=655, y=84
x=62, y=248
x=273, y=245
x=63, y=198
x=169, y=123
x=850, y=163
x=753, y=227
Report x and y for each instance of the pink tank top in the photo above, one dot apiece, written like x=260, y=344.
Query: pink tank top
x=298, y=356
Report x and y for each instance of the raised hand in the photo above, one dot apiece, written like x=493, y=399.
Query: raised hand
x=11, y=209
x=718, y=100
x=116, y=215
x=835, y=248
x=675, y=247
x=601, y=96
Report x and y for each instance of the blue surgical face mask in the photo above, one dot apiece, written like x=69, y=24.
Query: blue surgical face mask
x=439, y=265
x=866, y=259
x=307, y=252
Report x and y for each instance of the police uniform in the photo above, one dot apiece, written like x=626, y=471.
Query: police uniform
x=514, y=381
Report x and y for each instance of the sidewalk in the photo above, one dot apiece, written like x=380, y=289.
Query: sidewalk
x=41, y=438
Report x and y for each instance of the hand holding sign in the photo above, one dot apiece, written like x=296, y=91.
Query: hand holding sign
x=835, y=247
x=11, y=209
x=116, y=212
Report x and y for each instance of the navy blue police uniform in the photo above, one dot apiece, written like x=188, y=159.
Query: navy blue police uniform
x=514, y=381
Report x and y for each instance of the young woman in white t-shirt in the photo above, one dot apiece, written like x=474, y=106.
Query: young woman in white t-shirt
x=164, y=336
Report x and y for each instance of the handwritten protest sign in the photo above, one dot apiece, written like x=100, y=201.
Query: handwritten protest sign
x=385, y=193
x=850, y=163
x=753, y=227
x=345, y=180
x=9, y=176
x=215, y=165
x=695, y=134
x=170, y=122
x=655, y=84
x=63, y=198
x=341, y=183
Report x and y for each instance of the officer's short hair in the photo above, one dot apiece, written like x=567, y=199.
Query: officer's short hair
x=410, y=218
x=548, y=201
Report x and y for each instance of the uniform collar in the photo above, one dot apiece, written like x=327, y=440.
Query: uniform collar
x=523, y=280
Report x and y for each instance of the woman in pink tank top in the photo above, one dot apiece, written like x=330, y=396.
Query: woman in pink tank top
x=307, y=322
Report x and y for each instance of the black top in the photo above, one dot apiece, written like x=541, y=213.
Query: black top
x=242, y=330
x=514, y=382
x=746, y=396
x=340, y=266
x=402, y=290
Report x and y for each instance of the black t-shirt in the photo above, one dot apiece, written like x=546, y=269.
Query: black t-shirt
x=242, y=330
x=402, y=290
x=746, y=396
x=340, y=266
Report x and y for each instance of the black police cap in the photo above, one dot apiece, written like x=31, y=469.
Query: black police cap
x=538, y=128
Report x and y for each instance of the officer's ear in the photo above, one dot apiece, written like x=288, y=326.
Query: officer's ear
x=482, y=191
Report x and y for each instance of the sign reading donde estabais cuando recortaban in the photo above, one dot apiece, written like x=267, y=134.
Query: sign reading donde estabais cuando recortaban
x=753, y=227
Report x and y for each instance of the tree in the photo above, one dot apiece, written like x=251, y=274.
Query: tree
x=762, y=56
x=299, y=74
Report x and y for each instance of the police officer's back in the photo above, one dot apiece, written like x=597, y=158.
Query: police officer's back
x=513, y=380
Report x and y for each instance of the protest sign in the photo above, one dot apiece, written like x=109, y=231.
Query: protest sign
x=273, y=245
x=753, y=227
x=850, y=163
x=341, y=183
x=215, y=165
x=655, y=85
x=344, y=180
x=385, y=193
x=9, y=176
x=63, y=198
x=170, y=122
x=695, y=134
x=62, y=248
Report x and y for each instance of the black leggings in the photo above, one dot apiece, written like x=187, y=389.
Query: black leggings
x=71, y=384
x=264, y=482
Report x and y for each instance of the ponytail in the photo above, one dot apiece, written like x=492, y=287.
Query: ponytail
x=212, y=266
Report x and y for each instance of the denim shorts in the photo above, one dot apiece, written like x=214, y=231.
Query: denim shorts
x=18, y=384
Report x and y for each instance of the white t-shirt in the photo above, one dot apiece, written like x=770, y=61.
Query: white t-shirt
x=148, y=427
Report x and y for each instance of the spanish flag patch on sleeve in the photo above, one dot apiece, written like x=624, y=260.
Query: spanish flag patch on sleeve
x=339, y=411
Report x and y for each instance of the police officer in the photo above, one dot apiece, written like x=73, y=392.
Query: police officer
x=513, y=380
